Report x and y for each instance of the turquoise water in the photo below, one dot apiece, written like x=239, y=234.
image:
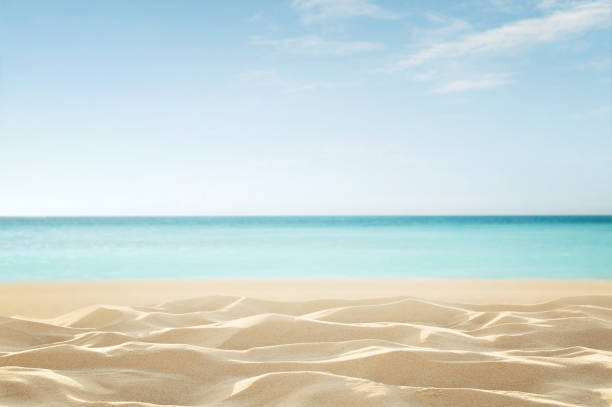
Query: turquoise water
x=298, y=247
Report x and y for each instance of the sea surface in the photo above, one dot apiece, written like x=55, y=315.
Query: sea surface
x=96, y=248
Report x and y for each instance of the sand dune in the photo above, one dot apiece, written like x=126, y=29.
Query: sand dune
x=239, y=351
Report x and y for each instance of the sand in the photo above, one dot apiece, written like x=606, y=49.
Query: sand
x=307, y=343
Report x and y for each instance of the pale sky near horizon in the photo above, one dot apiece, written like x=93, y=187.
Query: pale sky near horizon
x=307, y=107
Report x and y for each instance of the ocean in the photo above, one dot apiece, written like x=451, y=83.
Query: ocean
x=101, y=248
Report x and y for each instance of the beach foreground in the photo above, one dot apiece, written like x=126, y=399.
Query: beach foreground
x=285, y=343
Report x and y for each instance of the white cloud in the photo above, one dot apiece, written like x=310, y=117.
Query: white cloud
x=575, y=19
x=508, y=6
x=598, y=111
x=488, y=81
x=454, y=26
x=546, y=4
x=315, y=45
x=602, y=64
x=602, y=110
x=445, y=26
x=270, y=78
x=423, y=76
x=552, y=4
x=255, y=17
x=520, y=6
x=323, y=10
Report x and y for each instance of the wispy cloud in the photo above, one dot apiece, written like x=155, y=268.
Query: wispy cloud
x=270, y=78
x=323, y=10
x=598, y=111
x=601, y=64
x=424, y=76
x=453, y=26
x=487, y=81
x=574, y=19
x=255, y=17
x=316, y=45
x=519, y=6
x=509, y=6
x=445, y=26
x=552, y=4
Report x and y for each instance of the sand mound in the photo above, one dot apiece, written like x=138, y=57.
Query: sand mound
x=237, y=351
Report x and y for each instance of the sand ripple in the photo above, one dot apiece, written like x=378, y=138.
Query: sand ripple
x=237, y=351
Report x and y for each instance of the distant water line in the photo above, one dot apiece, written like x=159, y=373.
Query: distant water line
x=95, y=248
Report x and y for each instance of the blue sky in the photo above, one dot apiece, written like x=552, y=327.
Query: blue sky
x=305, y=107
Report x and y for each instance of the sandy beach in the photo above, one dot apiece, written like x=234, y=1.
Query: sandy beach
x=307, y=343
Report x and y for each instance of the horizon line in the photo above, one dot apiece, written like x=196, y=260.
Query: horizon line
x=307, y=216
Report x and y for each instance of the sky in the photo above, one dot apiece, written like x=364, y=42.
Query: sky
x=305, y=107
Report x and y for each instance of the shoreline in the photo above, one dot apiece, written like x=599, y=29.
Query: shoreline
x=48, y=299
